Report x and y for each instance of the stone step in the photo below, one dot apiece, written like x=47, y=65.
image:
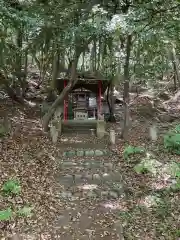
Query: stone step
x=87, y=177
x=81, y=145
x=78, y=125
x=86, y=153
x=80, y=130
x=86, y=164
x=93, y=191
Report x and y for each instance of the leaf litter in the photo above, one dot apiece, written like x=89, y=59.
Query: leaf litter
x=30, y=157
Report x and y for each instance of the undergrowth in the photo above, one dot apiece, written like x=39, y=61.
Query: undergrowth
x=172, y=140
x=13, y=188
x=131, y=150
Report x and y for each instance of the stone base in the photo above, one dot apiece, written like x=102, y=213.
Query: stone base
x=57, y=123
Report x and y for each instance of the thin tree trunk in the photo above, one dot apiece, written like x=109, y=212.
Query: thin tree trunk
x=19, y=54
x=64, y=93
x=126, y=89
x=99, y=54
x=55, y=69
x=95, y=55
x=83, y=62
x=110, y=102
x=24, y=82
x=176, y=65
x=175, y=81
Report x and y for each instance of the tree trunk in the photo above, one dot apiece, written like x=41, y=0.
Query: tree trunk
x=176, y=65
x=59, y=100
x=24, y=85
x=55, y=69
x=19, y=54
x=99, y=54
x=110, y=102
x=95, y=55
x=126, y=89
x=175, y=81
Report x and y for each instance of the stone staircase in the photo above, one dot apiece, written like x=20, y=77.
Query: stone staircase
x=91, y=184
x=89, y=177
x=92, y=189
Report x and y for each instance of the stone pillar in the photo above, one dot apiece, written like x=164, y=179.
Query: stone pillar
x=54, y=134
x=153, y=133
x=100, y=129
x=112, y=137
x=55, y=129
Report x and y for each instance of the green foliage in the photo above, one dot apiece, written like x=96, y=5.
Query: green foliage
x=162, y=209
x=131, y=150
x=177, y=129
x=26, y=211
x=11, y=187
x=176, y=186
x=3, y=131
x=172, y=140
x=6, y=215
x=177, y=233
x=140, y=168
x=148, y=164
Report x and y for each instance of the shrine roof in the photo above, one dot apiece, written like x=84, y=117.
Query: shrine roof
x=86, y=80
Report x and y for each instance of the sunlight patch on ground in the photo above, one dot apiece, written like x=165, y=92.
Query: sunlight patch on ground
x=42, y=236
x=115, y=205
x=31, y=104
x=158, y=185
x=24, y=236
x=18, y=119
x=149, y=201
x=88, y=186
x=33, y=129
x=22, y=119
x=65, y=140
x=106, y=175
x=33, y=121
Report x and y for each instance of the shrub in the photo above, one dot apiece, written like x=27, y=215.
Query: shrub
x=130, y=150
x=26, y=211
x=3, y=131
x=6, y=215
x=11, y=187
x=172, y=142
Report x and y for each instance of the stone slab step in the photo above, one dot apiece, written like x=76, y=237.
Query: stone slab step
x=86, y=153
x=86, y=177
x=86, y=164
x=92, y=191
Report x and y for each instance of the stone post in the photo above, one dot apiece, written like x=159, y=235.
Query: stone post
x=100, y=129
x=55, y=129
x=112, y=137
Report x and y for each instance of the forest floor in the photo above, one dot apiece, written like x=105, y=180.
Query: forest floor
x=84, y=197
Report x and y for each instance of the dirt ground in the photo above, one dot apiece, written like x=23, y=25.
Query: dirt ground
x=87, y=197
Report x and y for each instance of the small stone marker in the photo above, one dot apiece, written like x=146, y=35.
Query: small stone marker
x=100, y=128
x=54, y=134
x=153, y=133
x=112, y=136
